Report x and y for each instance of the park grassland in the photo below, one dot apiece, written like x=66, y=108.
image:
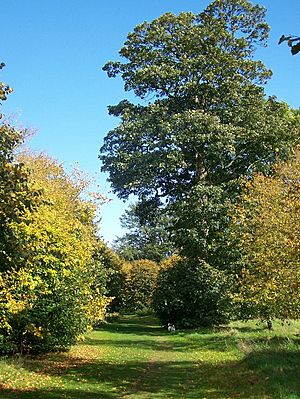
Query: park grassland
x=134, y=357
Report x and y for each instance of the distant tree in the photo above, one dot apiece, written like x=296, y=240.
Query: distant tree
x=292, y=41
x=144, y=239
x=190, y=293
x=268, y=224
x=114, y=274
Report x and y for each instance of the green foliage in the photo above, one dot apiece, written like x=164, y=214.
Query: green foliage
x=209, y=123
x=18, y=198
x=200, y=225
x=267, y=224
x=145, y=239
x=114, y=274
x=43, y=320
x=210, y=120
x=203, y=124
x=190, y=293
x=140, y=282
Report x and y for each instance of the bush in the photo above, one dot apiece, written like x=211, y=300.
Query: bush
x=140, y=282
x=190, y=293
x=56, y=289
x=114, y=275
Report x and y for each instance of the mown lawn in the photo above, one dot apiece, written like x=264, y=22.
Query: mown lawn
x=135, y=358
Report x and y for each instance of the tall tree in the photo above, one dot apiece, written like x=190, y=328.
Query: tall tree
x=209, y=122
x=203, y=123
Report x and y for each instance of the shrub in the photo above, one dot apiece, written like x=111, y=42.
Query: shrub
x=140, y=282
x=55, y=290
x=191, y=293
x=114, y=275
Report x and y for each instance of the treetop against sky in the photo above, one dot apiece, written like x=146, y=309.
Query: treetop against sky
x=54, y=52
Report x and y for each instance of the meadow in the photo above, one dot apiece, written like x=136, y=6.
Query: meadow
x=134, y=357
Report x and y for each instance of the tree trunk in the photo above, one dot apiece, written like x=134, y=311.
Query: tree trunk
x=201, y=172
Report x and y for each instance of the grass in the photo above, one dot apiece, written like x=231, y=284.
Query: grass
x=135, y=358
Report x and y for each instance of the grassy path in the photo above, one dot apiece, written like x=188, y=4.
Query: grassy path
x=135, y=359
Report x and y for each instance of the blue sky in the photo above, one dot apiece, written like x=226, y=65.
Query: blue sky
x=54, y=51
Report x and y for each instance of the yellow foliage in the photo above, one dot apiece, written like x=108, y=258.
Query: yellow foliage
x=140, y=281
x=96, y=308
x=17, y=293
x=62, y=229
x=57, y=241
x=36, y=331
x=269, y=228
x=170, y=262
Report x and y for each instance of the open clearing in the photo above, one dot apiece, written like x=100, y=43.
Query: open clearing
x=135, y=358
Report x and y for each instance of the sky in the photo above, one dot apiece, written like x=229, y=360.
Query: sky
x=54, y=51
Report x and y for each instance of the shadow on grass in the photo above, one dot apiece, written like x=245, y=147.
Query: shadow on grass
x=183, y=340
x=54, y=394
x=131, y=324
x=268, y=373
x=281, y=367
x=270, y=370
x=278, y=342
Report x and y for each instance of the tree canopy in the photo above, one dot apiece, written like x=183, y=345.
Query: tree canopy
x=206, y=121
x=209, y=121
x=144, y=239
